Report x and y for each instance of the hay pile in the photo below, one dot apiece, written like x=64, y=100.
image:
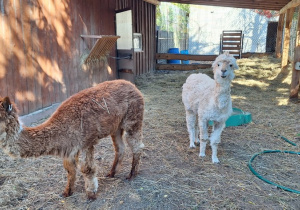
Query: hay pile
x=172, y=176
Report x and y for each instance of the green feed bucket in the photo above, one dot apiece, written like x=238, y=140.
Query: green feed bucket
x=238, y=117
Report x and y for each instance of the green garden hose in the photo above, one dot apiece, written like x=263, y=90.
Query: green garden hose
x=266, y=180
x=288, y=141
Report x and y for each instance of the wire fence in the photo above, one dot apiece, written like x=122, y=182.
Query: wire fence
x=166, y=41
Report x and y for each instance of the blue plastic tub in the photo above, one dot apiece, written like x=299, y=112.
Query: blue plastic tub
x=186, y=52
x=174, y=51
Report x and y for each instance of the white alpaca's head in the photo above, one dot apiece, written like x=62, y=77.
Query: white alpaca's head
x=224, y=67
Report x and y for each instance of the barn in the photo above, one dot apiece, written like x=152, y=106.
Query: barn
x=53, y=49
x=51, y=55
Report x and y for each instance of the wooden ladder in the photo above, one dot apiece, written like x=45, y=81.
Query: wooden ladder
x=232, y=41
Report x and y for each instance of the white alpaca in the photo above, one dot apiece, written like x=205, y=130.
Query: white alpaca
x=209, y=100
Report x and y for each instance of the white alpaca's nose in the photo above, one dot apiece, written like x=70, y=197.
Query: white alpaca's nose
x=223, y=73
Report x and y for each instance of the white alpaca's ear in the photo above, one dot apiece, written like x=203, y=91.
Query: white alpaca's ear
x=235, y=66
x=233, y=61
x=214, y=64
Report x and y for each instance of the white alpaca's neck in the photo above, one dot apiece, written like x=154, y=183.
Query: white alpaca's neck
x=222, y=95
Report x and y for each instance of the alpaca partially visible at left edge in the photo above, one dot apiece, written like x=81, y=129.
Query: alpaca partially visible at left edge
x=111, y=108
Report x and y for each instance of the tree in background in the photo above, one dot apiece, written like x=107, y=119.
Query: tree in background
x=168, y=14
x=266, y=13
x=173, y=17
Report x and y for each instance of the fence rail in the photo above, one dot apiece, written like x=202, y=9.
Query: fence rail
x=200, y=61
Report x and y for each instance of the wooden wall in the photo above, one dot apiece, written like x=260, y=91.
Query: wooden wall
x=42, y=51
x=143, y=15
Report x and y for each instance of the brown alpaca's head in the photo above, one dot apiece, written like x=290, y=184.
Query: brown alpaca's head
x=9, y=126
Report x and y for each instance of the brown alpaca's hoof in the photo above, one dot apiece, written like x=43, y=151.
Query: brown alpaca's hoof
x=91, y=196
x=66, y=194
x=111, y=175
x=131, y=175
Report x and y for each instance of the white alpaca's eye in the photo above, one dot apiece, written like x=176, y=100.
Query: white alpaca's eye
x=218, y=64
x=230, y=65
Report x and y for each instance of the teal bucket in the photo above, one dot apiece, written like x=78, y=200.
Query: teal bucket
x=174, y=51
x=186, y=52
x=237, y=118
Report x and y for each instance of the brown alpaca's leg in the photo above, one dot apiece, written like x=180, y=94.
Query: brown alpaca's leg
x=70, y=166
x=119, y=151
x=89, y=173
x=135, y=142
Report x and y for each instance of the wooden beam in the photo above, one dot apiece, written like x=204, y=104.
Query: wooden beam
x=169, y=56
x=182, y=67
x=291, y=4
x=287, y=33
x=155, y=2
x=279, y=35
x=296, y=73
x=247, y=4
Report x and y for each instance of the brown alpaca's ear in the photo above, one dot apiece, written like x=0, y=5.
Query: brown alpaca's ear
x=7, y=105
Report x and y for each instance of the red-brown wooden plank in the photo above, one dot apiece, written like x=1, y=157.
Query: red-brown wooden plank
x=232, y=48
x=20, y=65
x=5, y=41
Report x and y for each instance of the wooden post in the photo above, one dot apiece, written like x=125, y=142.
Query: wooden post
x=296, y=73
x=295, y=76
x=279, y=35
x=291, y=4
x=287, y=31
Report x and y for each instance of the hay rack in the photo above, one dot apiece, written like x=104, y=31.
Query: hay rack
x=101, y=48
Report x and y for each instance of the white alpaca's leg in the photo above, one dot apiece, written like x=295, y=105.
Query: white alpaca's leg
x=191, y=122
x=202, y=147
x=215, y=139
x=203, y=137
x=197, y=132
x=214, y=149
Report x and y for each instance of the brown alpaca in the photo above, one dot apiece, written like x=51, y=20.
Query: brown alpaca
x=109, y=108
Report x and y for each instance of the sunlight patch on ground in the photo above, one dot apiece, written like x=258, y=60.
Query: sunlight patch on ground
x=238, y=97
x=251, y=83
x=287, y=80
x=282, y=101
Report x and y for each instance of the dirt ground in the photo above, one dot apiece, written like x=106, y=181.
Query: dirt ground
x=173, y=176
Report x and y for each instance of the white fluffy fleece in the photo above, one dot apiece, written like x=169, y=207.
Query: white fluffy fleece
x=209, y=99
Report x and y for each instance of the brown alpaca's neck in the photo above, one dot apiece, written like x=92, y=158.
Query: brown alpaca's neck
x=35, y=141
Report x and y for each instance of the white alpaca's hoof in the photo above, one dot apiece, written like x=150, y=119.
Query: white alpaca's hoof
x=201, y=154
x=215, y=160
x=192, y=145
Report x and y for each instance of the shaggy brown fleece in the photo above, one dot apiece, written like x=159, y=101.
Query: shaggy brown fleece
x=109, y=108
